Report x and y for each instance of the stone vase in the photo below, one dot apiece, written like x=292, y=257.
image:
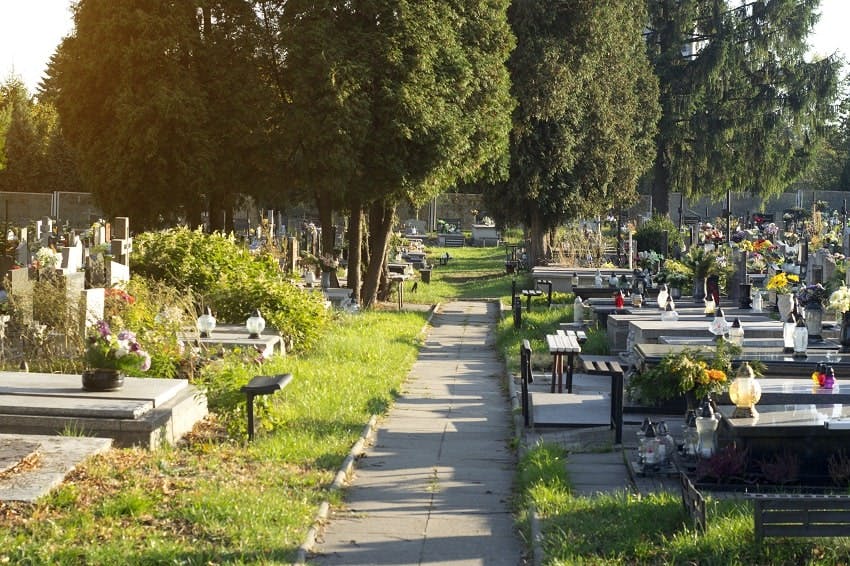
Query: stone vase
x=814, y=321
x=102, y=379
x=784, y=302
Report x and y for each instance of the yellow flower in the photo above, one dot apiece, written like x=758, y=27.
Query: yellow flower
x=781, y=282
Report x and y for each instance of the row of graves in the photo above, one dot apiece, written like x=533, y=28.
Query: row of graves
x=739, y=383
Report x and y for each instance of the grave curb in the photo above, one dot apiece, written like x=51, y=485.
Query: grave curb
x=357, y=450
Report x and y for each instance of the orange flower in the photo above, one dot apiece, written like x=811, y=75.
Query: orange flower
x=716, y=375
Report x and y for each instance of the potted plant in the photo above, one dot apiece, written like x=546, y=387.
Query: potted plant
x=701, y=264
x=108, y=356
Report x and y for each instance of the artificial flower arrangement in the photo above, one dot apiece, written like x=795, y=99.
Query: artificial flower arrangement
x=105, y=350
x=782, y=282
x=839, y=300
x=811, y=295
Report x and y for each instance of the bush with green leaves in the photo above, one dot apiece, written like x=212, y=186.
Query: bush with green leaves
x=650, y=235
x=231, y=280
x=193, y=259
x=300, y=317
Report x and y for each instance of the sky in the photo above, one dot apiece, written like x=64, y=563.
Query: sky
x=30, y=30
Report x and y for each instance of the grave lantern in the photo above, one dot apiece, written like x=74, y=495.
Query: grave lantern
x=255, y=324
x=801, y=338
x=706, y=429
x=669, y=313
x=719, y=326
x=736, y=333
x=574, y=280
x=206, y=323
x=745, y=392
x=788, y=334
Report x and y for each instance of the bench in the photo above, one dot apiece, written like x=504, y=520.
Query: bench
x=548, y=283
x=262, y=385
x=528, y=294
x=800, y=515
x=610, y=366
x=526, y=377
x=563, y=344
x=694, y=503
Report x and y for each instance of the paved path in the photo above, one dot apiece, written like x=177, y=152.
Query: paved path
x=436, y=486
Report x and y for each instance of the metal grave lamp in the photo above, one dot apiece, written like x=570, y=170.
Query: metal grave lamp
x=801, y=338
x=745, y=392
x=206, y=323
x=788, y=334
x=574, y=280
x=719, y=326
x=255, y=324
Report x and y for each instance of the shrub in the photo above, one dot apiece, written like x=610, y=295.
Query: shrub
x=650, y=235
x=300, y=317
x=230, y=279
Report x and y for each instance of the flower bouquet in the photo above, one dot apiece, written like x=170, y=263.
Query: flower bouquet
x=812, y=295
x=782, y=282
x=120, y=352
x=839, y=300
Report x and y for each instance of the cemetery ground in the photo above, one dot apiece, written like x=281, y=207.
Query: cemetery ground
x=216, y=498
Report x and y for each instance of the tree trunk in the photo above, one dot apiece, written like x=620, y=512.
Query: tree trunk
x=216, y=212
x=355, y=241
x=537, y=239
x=661, y=181
x=380, y=222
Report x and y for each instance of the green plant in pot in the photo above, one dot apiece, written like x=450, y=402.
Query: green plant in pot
x=691, y=372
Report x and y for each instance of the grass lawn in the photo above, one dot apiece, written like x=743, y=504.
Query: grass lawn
x=216, y=500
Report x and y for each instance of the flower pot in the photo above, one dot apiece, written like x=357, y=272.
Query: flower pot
x=326, y=279
x=699, y=289
x=675, y=293
x=102, y=379
x=784, y=303
x=845, y=332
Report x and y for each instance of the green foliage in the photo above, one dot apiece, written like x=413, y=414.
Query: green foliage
x=585, y=121
x=301, y=318
x=764, y=136
x=597, y=342
x=689, y=369
x=231, y=279
x=650, y=235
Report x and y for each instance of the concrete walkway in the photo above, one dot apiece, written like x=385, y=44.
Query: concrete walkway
x=436, y=485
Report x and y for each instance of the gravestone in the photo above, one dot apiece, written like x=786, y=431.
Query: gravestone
x=291, y=254
x=22, y=253
x=95, y=270
x=72, y=258
x=122, y=243
x=21, y=288
x=119, y=274
x=92, y=303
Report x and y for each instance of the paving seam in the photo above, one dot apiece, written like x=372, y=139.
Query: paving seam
x=367, y=436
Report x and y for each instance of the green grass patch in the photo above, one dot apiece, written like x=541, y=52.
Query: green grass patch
x=218, y=499
x=471, y=273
